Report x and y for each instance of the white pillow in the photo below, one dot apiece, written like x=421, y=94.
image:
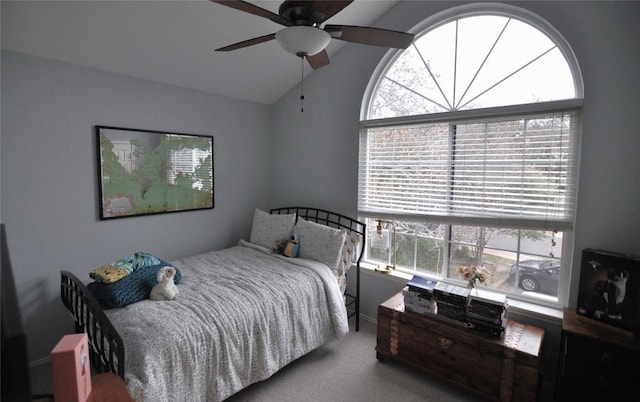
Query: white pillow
x=267, y=229
x=320, y=243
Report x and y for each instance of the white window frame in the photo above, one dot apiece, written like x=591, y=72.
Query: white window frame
x=469, y=10
x=513, y=110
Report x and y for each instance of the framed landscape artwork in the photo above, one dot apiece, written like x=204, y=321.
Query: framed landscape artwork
x=143, y=172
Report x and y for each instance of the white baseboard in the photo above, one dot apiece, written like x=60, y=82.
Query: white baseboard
x=369, y=319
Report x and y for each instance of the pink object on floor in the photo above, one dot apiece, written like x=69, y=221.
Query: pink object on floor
x=71, y=369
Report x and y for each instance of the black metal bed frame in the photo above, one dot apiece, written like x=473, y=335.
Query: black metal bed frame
x=106, y=349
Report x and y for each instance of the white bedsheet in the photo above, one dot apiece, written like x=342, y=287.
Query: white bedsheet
x=242, y=314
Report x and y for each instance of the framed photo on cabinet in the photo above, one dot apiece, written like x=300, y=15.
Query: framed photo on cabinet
x=609, y=289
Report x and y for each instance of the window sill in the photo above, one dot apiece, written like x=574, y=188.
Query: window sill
x=396, y=276
x=517, y=307
x=551, y=315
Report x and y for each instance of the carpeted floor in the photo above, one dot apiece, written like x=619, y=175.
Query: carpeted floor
x=348, y=370
x=345, y=370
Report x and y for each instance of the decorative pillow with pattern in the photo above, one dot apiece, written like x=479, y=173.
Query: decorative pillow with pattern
x=351, y=250
x=137, y=260
x=267, y=229
x=108, y=274
x=320, y=243
x=122, y=267
x=349, y=255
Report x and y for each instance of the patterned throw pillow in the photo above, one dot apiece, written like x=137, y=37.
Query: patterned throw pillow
x=136, y=261
x=349, y=255
x=122, y=267
x=108, y=274
x=351, y=249
x=267, y=229
x=320, y=243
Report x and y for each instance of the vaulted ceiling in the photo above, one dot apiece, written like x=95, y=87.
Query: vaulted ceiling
x=170, y=41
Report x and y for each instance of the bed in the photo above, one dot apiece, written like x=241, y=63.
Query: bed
x=243, y=312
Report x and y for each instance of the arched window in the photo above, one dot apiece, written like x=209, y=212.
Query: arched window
x=469, y=148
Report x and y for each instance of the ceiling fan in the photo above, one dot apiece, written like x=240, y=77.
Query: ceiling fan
x=303, y=35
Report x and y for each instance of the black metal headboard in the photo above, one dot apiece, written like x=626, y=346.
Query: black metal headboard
x=338, y=221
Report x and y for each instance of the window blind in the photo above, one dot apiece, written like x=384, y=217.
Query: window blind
x=520, y=168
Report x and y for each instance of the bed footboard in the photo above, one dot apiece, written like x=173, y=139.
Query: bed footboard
x=328, y=218
x=106, y=350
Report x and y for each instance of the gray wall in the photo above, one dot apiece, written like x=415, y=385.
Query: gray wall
x=49, y=179
x=316, y=151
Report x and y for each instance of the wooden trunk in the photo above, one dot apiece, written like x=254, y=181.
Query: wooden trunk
x=505, y=369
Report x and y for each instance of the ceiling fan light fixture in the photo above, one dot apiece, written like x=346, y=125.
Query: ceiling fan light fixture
x=303, y=40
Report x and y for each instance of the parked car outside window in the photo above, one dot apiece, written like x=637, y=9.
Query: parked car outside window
x=537, y=276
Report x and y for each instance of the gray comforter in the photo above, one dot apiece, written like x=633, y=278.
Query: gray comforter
x=242, y=314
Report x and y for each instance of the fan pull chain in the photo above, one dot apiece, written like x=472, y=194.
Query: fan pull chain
x=302, y=84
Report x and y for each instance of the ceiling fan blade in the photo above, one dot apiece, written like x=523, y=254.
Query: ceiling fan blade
x=248, y=42
x=329, y=8
x=318, y=60
x=370, y=36
x=255, y=10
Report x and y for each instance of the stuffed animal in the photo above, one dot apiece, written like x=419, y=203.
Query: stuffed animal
x=278, y=246
x=291, y=249
x=165, y=289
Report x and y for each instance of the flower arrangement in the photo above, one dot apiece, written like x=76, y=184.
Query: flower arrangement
x=472, y=274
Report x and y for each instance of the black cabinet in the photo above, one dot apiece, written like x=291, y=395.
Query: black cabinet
x=598, y=361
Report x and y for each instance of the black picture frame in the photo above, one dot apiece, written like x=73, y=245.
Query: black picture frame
x=147, y=172
x=609, y=289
